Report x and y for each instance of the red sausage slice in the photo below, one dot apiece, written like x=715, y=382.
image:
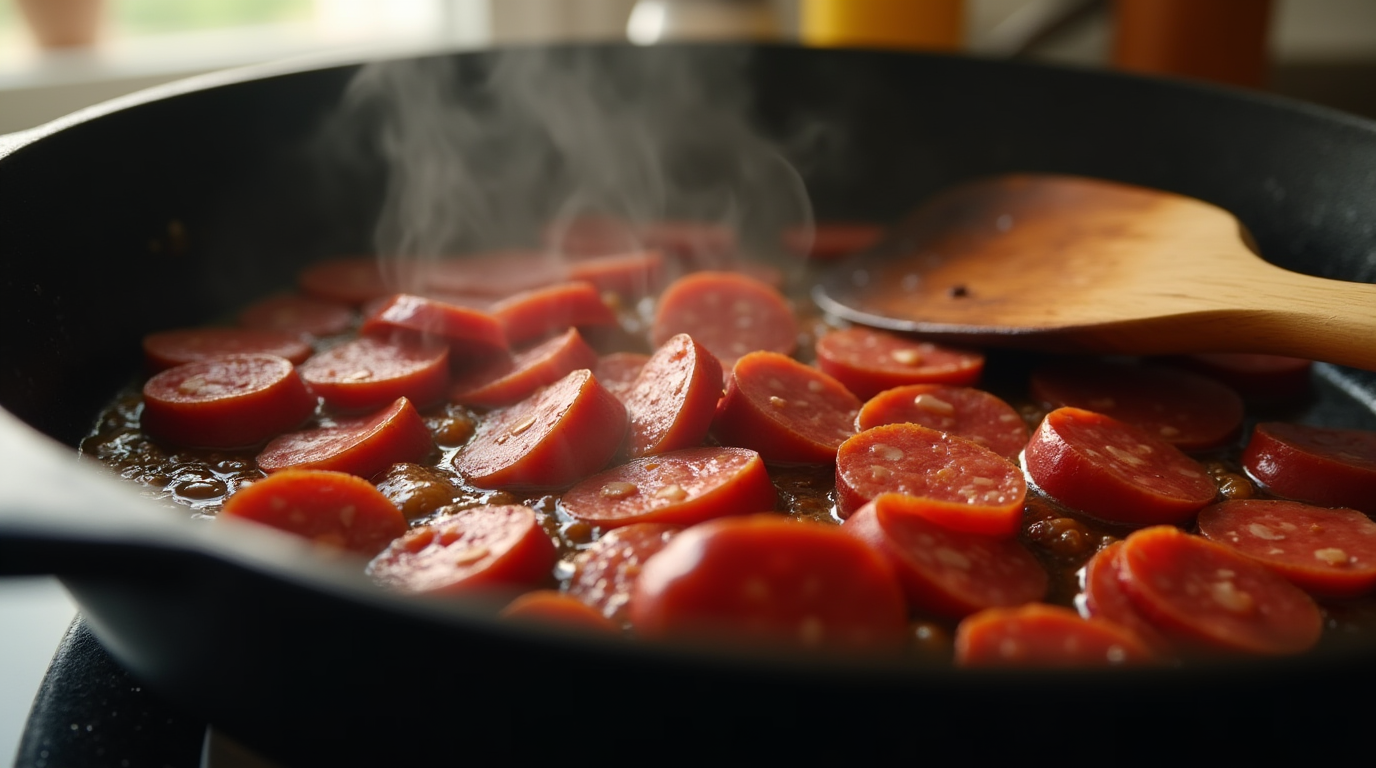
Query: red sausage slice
x=1207, y=596
x=605, y=573
x=302, y=316
x=591, y=235
x=489, y=547
x=1320, y=465
x=969, y=413
x=682, y=488
x=831, y=239
x=944, y=571
x=629, y=275
x=1263, y=378
x=1329, y=552
x=361, y=446
x=1189, y=411
x=765, y=579
x=1104, y=597
x=468, y=332
x=225, y=402
x=619, y=370
x=539, y=313
x=504, y=382
x=498, y=274
x=331, y=508
x=165, y=349
x=672, y=402
x=368, y=373
x=553, y=608
x=557, y=436
x=1114, y=471
x=1040, y=635
x=730, y=314
x=352, y=281
x=869, y=361
x=973, y=488
x=787, y=411
x=694, y=244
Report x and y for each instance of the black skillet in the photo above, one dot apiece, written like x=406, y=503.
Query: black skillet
x=177, y=206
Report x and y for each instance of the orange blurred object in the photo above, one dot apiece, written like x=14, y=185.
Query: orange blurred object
x=931, y=24
x=64, y=23
x=1221, y=40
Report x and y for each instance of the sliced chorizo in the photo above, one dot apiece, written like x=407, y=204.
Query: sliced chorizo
x=506, y=381
x=788, y=412
x=225, y=402
x=1328, y=552
x=552, y=439
x=496, y=547
x=1104, y=597
x=869, y=361
x=730, y=314
x=944, y=571
x=969, y=413
x=1045, y=636
x=362, y=446
x=674, y=398
x=1189, y=411
x=306, y=317
x=971, y=487
x=681, y=487
x=331, y=508
x=1114, y=471
x=765, y=580
x=470, y=333
x=368, y=373
x=605, y=572
x=539, y=313
x=165, y=349
x=1320, y=465
x=1211, y=599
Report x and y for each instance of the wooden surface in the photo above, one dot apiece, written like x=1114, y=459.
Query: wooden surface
x=1079, y=264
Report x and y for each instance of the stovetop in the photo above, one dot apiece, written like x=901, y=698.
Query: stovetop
x=90, y=712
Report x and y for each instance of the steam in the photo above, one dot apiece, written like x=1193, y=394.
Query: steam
x=492, y=153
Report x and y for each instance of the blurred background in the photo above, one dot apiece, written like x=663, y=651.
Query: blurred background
x=59, y=55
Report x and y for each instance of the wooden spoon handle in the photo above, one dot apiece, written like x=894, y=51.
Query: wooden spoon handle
x=1266, y=309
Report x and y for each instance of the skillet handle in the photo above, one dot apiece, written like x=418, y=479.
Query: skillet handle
x=58, y=516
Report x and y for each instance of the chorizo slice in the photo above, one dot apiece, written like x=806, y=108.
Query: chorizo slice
x=730, y=314
x=551, y=607
x=1189, y=411
x=765, y=580
x=470, y=333
x=1328, y=552
x=788, y=412
x=305, y=317
x=681, y=487
x=674, y=398
x=1114, y=471
x=829, y=240
x=225, y=402
x=1104, y=597
x=965, y=412
x=506, y=381
x=969, y=487
x=869, y=361
x=1042, y=636
x=944, y=571
x=1320, y=465
x=495, y=547
x=604, y=573
x=1212, y=599
x=551, y=440
x=331, y=508
x=367, y=373
x=619, y=370
x=165, y=349
x=539, y=313
x=362, y=446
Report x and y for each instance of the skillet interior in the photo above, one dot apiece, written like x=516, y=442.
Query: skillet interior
x=173, y=211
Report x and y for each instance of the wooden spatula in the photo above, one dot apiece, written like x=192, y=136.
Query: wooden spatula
x=1073, y=264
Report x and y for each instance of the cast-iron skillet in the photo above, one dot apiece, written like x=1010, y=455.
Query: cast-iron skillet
x=180, y=205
